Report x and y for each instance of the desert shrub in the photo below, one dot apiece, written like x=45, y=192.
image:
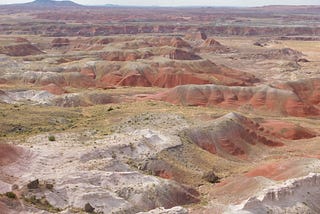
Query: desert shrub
x=11, y=195
x=211, y=177
x=52, y=138
x=113, y=155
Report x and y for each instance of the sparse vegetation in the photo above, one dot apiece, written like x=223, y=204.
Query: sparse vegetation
x=11, y=195
x=113, y=155
x=211, y=177
x=109, y=99
x=41, y=203
x=49, y=186
x=52, y=138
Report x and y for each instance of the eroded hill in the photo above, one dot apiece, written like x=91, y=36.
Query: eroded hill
x=159, y=110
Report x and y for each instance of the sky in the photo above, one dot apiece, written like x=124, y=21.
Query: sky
x=236, y=3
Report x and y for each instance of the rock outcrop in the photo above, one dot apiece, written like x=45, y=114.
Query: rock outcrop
x=299, y=195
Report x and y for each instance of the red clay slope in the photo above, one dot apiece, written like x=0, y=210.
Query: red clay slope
x=232, y=135
x=287, y=130
x=8, y=154
x=281, y=170
x=262, y=98
x=173, y=73
x=307, y=90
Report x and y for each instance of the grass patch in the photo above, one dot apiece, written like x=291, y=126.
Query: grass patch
x=41, y=203
x=11, y=195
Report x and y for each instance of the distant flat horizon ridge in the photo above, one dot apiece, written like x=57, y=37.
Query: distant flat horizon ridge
x=73, y=3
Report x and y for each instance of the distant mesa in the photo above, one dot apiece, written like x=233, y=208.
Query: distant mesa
x=112, y=5
x=52, y=3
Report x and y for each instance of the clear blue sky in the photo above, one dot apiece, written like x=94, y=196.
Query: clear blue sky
x=186, y=2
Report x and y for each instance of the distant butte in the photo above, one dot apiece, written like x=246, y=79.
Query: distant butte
x=51, y=3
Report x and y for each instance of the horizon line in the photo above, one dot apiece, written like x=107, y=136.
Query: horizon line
x=170, y=6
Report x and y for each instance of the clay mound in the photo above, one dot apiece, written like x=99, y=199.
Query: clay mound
x=287, y=130
x=4, y=97
x=232, y=77
x=137, y=44
x=303, y=60
x=81, y=44
x=167, y=77
x=279, y=54
x=54, y=89
x=231, y=135
x=78, y=80
x=38, y=78
x=168, y=195
x=160, y=168
x=20, y=49
x=213, y=45
x=178, y=42
x=307, y=89
x=89, y=72
x=196, y=36
x=21, y=40
x=164, y=41
x=178, y=54
x=9, y=154
x=60, y=42
x=82, y=79
x=262, y=98
x=87, y=99
x=124, y=55
x=26, y=96
x=104, y=41
x=172, y=73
